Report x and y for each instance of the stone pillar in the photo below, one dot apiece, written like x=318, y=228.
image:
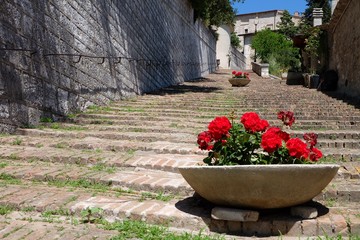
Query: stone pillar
x=317, y=16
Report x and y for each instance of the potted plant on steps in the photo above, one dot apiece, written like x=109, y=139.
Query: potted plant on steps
x=239, y=79
x=251, y=164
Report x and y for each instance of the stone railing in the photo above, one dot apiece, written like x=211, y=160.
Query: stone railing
x=261, y=69
x=238, y=60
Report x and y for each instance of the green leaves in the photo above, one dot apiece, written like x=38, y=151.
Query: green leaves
x=238, y=150
x=269, y=44
x=214, y=12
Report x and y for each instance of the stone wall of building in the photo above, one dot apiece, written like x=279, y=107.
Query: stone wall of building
x=344, y=45
x=58, y=57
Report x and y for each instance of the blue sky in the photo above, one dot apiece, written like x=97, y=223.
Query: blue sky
x=250, y=6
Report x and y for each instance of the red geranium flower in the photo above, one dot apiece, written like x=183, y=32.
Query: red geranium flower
x=287, y=117
x=315, y=154
x=311, y=139
x=219, y=127
x=253, y=123
x=273, y=139
x=297, y=148
x=233, y=72
x=204, y=139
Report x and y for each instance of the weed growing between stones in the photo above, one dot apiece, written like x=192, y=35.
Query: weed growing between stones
x=9, y=179
x=157, y=196
x=17, y=141
x=92, y=215
x=57, y=126
x=5, y=209
x=3, y=165
x=28, y=209
x=140, y=230
x=101, y=167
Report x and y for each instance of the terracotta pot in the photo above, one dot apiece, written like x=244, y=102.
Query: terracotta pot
x=239, y=82
x=259, y=186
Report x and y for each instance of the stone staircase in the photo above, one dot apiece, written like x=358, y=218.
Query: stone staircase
x=123, y=159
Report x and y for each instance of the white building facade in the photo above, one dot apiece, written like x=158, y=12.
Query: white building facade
x=246, y=25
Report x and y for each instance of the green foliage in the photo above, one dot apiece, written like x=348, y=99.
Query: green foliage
x=214, y=12
x=313, y=41
x=266, y=43
x=287, y=26
x=234, y=40
x=269, y=44
x=46, y=120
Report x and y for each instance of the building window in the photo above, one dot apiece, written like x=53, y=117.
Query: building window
x=246, y=30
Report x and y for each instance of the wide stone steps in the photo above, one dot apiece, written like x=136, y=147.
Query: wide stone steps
x=124, y=158
x=190, y=213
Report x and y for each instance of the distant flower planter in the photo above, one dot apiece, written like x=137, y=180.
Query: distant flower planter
x=239, y=79
x=259, y=186
x=239, y=82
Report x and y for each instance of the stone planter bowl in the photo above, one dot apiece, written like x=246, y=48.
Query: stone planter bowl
x=239, y=82
x=259, y=186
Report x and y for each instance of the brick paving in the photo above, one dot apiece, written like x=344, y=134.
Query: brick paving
x=133, y=148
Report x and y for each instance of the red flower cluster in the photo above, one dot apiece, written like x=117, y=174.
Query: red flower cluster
x=219, y=127
x=297, y=148
x=217, y=130
x=314, y=153
x=240, y=74
x=273, y=139
x=204, y=140
x=287, y=117
x=253, y=123
x=311, y=138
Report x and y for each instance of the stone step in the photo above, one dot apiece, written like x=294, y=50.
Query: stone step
x=152, y=173
x=191, y=213
x=91, y=157
x=172, y=127
x=134, y=136
x=189, y=107
x=32, y=225
x=109, y=118
x=135, y=178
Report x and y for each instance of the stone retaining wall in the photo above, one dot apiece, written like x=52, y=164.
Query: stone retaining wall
x=345, y=47
x=111, y=50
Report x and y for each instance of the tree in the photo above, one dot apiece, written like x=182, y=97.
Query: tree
x=324, y=4
x=275, y=46
x=267, y=42
x=214, y=12
x=287, y=26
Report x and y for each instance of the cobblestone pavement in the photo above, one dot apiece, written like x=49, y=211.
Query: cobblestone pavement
x=124, y=159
